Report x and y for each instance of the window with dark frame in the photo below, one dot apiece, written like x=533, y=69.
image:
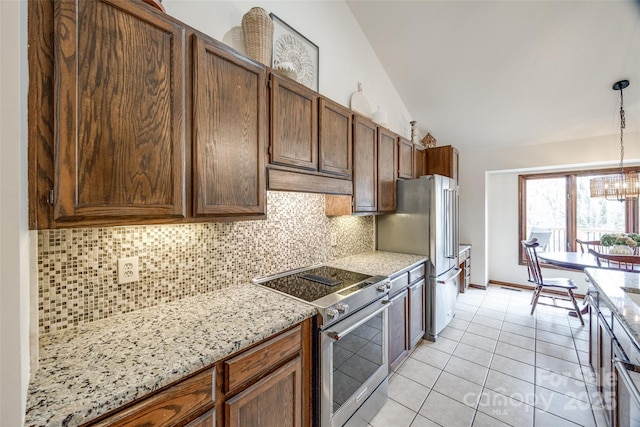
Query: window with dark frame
x=561, y=202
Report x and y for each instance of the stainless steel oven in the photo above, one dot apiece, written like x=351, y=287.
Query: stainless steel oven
x=351, y=340
x=354, y=366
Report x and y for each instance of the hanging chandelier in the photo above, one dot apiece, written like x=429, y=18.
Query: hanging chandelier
x=620, y=186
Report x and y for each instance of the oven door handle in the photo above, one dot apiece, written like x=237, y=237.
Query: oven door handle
x=337, y=335
x=626, y=379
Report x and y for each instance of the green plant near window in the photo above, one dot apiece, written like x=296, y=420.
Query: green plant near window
x=623, y=239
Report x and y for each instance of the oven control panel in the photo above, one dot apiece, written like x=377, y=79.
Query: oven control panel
x=357, y=296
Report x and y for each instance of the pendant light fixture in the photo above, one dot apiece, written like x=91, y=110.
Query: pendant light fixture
x=621, y=186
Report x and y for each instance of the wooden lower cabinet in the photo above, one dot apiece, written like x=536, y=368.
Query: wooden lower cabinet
x=416, y=312
x=464, y=261
x=173, y=405
x=266, y=385
x=274, y=401
x=398, y=339
x=208, y=419
x=269, y=384
x=406, y=314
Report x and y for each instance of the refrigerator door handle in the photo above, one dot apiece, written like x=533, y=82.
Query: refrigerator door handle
x=449, y=276
x=451, y=213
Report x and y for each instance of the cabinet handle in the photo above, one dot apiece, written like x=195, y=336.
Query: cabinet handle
x=621, y=369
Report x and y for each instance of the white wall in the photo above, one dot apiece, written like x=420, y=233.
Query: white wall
x=346, y=57
x=489, y=198
x=14, y=234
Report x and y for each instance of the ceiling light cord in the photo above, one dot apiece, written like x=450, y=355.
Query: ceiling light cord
x=622, y=126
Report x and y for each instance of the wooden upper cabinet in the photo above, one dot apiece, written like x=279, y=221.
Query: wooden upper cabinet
x=405, y=158
x=335, y=143
x=229, y=113
x=294, y=124
x=387, y=163
x=419, y=163
x=365, y=176
x=443, y=161
x=119, y=138
x=311, y=147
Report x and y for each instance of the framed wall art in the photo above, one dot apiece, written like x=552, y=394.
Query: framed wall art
x=291, y=46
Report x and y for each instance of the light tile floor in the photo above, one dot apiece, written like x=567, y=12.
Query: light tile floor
x=496, y=365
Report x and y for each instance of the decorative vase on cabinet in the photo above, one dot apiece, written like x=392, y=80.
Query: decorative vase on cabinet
x=257, y=28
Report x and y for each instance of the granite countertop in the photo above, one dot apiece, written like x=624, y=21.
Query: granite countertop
x=610, y=283
x=91, y=369
x=96, y=367
x=379, y=263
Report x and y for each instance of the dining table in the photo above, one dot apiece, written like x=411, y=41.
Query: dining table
x=570, y=260
x=573, y=261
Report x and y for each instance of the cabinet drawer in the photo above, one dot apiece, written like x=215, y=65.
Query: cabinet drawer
x=169, y=407
x=262, y=358
x=416, y=273
x=399, y=283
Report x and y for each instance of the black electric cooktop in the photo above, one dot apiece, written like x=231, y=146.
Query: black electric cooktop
x=315, y=283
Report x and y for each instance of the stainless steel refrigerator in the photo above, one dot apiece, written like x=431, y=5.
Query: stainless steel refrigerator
x=426, y=223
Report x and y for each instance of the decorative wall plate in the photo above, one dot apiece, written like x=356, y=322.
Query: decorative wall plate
x=359, y=102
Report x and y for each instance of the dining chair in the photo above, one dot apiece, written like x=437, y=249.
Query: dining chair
x=618, y=262
x=551, y=287
x=585, y=245
x=542, y=236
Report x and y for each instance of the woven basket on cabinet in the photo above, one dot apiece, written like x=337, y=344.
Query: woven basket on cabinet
x=257, y=28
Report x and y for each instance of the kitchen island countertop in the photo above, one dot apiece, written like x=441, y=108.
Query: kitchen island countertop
x=93, y=368
x=378, y=262
x=610, y=284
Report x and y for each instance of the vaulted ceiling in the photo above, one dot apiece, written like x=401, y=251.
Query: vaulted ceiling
x=496, y=73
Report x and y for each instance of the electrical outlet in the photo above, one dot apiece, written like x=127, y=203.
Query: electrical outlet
x=128, y=270
x=334, y=239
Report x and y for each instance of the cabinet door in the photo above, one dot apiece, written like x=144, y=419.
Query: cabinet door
x=335, y=139
x=387, y=163
x=294, y=124
x=443, y=161
x=398, y=318
x=119, y=79
x=256, y=405
x=365, y=177
x=419, y=166
x=229, y=132
x=405, y=158
x=416, y=312
x=208, y=419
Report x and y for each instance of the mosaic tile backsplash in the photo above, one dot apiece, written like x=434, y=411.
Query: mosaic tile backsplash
x=77, y=268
